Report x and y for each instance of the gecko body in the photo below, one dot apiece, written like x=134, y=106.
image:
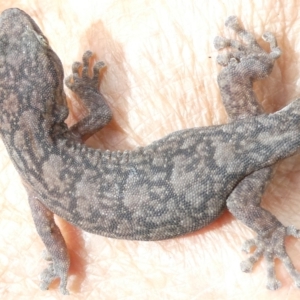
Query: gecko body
x=175, y=185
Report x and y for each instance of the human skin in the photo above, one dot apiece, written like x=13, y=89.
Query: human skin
x=160, y=77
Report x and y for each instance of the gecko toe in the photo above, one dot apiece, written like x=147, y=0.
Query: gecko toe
x=76, y=66
x=271, y=246
x=232, y=22
x=246, y=266
x=53, y=272
x=86, y=57
x=273, y=284
x=220, y=43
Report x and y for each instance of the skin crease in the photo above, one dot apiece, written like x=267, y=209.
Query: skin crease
x=160, y=77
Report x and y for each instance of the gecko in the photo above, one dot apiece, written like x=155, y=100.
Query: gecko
x=171, y=187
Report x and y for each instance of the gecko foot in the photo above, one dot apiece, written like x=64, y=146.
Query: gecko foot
x=86, y=88
x=272, y=247
x=249, y=51
x=77, y=82
x=51, y=273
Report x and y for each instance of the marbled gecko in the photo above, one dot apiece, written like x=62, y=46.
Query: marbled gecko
x=175, y=185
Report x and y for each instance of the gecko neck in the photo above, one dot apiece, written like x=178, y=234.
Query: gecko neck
x=30, y=137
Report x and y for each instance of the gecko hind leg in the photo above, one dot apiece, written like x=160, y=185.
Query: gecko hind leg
x=57, y=252
x=244, y=64
x=244, y=204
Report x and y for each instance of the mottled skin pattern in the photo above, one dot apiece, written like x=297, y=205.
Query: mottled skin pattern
x=173, y=186
x=246, y=64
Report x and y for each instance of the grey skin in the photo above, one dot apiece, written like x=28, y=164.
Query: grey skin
x=249, y=62
x=171, y=187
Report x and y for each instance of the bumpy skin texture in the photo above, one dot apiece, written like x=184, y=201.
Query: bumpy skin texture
x=243, y=66
x=173, y=186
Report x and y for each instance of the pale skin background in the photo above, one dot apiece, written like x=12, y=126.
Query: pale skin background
x=160, y=77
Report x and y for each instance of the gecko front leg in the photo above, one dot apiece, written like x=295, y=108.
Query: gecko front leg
x=86, y=88
x=249, y=62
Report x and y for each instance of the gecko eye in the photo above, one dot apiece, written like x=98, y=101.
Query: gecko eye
x=42, y=40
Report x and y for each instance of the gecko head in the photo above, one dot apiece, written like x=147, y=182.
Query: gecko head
x=24, y=51
x=31, y=74
x=19, y=35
